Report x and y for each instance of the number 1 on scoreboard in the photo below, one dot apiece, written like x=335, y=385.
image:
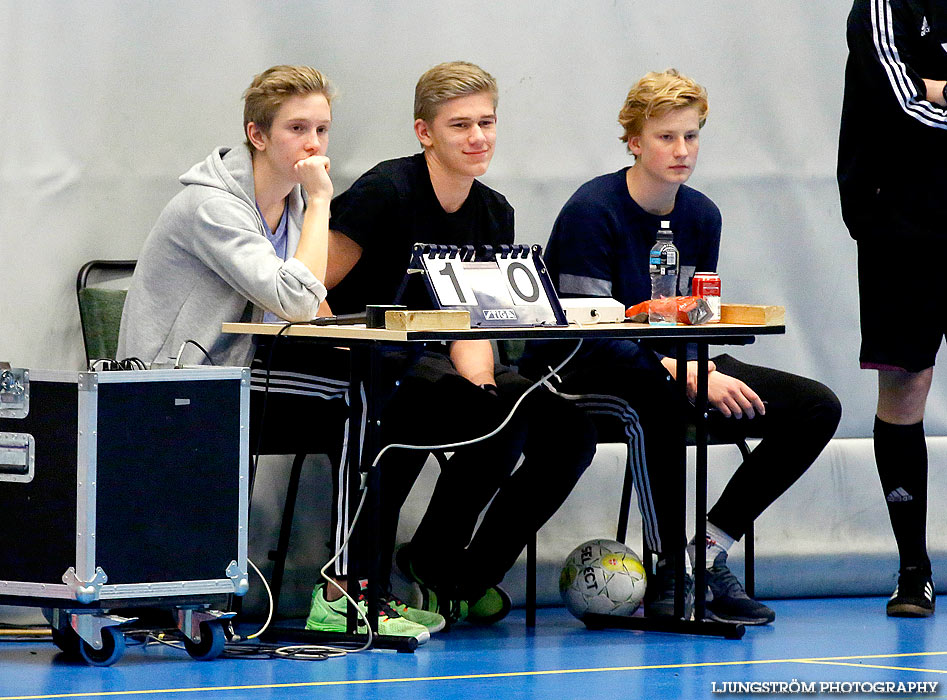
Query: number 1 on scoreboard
x=449, y=282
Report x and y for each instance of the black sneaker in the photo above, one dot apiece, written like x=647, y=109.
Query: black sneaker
x=728, y=602
x=661, y=604
x=914, y=596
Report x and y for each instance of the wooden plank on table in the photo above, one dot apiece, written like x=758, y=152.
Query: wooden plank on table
x=427, y=320
x=753, y=314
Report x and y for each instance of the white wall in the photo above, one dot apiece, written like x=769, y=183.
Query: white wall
x=827, y=536
x=104, y=104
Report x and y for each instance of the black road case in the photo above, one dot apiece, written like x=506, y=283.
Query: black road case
x=124, y=489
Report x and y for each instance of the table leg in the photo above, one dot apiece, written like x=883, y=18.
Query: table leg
x=700, y=477
x=367, y=552
x=679, y=542
x=678, y=625
x=356, y=458
x=363, y=547
x=366, y=363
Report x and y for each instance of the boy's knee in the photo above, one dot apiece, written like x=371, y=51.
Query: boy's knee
x=569, y=434
x=830, y=408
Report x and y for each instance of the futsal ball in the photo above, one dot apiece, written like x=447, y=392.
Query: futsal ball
x=603, y=577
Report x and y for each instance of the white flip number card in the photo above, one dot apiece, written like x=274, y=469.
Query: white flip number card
x=501, y=286
x=450, y=282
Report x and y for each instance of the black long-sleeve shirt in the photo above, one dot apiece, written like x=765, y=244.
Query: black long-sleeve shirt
x=892, y=161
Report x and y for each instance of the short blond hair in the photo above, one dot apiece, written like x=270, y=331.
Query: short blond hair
x=446, y=81
x=271, y=88
x=655, y=95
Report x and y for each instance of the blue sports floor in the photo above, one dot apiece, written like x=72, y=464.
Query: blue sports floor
x=813, y=641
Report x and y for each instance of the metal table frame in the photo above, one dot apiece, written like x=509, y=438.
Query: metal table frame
x=365, y=344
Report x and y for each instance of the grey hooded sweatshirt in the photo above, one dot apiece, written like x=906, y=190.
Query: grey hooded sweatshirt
x=207, y=261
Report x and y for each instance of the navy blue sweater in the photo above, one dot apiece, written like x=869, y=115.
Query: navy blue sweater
x=600, y=245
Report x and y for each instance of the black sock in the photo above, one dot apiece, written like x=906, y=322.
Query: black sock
x=901, y=457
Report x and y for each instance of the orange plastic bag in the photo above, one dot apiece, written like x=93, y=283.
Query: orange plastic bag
x=691, y=311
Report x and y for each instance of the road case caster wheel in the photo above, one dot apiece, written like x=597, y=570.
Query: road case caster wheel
x=212, y=642
x=113, y=646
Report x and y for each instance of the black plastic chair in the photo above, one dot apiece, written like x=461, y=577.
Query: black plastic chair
x=646, y=556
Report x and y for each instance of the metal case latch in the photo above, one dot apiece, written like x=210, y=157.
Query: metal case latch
x=14, y=391
x=17, y=457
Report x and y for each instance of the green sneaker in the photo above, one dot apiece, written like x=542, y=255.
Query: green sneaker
x=451, y=610
x=326, y=616
x=491, y=607
x=433, y=621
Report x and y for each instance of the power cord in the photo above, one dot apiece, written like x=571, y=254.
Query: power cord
x=239, y=647
x=463, y=443
x=270, y=610
x=309, y=651
x=177, y=360
x=107, y=364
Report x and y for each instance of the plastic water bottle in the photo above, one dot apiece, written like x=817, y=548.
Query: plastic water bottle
x=664, y=265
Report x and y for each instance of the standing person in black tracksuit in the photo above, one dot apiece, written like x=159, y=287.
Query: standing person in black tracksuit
x=892, y=181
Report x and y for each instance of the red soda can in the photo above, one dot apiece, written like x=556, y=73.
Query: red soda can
x=707, y=286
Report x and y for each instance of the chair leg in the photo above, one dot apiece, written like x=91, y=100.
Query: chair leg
x=625, y=504
x=531, y=582
x=278, y=555
x=647, y=557
x=749, y=548
x=749, y=563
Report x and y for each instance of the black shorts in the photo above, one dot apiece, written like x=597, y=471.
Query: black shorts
x=902, y=301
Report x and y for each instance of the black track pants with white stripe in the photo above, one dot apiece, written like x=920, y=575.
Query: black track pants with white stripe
x=801, y=417
x=645, y=409
x=305, y=410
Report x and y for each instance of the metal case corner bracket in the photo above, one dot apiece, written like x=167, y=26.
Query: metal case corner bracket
x=88, y=381
x=241, y=579
x=85, y=591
